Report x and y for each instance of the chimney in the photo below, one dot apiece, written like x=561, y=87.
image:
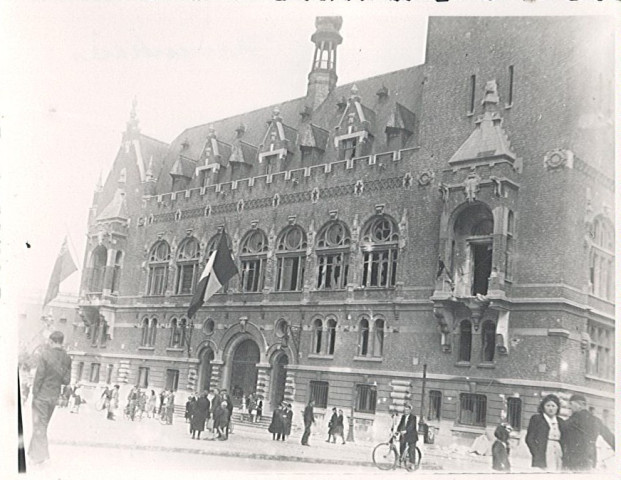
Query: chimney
x=322, y=78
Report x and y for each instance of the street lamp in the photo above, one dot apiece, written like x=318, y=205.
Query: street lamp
x=350, y=433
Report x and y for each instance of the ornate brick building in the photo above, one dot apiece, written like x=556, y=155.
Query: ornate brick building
x=456, y=214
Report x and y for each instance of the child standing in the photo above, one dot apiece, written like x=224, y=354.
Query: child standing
x=501, y=449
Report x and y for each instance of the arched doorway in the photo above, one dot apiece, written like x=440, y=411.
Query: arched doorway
x=279, y=379
x=244, y=370
x=204, y=370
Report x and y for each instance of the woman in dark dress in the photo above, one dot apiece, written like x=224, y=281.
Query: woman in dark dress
x=544, y=433
x=287, y=420
x=331, y=425
x=221, y=421
x=200, y=412
x=276, y=427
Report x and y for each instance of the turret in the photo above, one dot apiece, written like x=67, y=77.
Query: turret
x=322, y=78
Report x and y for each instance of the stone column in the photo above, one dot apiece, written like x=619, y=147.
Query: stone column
x=263, y=381
x=400, y=395
x=216, y=374
x=290, y=386
x=192, y=375
x=123, y=372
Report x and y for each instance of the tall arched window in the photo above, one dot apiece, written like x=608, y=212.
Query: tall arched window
x=116, y=274
x=601, y=260
x=379, y=244
x=98, y=264
x=253, y=256
x=175, y=334
x=153, y=332
x=158, y=268
x=291, y=256
x=331, y=336
x=183, y=328
x=144, y=341
x=187, y=266
x=317, y=336
x=364, y=337
x=378, y=346
x=488, y=339
x=333, y=242
x=465, y=341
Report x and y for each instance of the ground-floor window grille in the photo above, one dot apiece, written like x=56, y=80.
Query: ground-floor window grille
x=143, y=377
x=94, y=377
x=319, y=393
x=473, y=409
x=435, y=405
x=514, y=412
x=366, y=398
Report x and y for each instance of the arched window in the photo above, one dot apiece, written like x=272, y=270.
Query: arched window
x=331, y=336
x=465, y=341
x=379, y=244
x=291, y=256
x=175, y=334
x=183, y=328
x=187, y=266
x=153, y=332
x=158, y=268
x=601, y=260
x=253, y=256
x=333, y=242
x=145, y=333
x=488, y=339
x=98, y=264
x=317, y=336
x=364, y=337
x=378, y=346
x=116, y=274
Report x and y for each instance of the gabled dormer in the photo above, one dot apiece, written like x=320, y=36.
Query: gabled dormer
x=400, y=126
x=243, y=155
x=354, y=133
x=312, y=139
x=183, y=169
x=278, y=145
x=215, y=154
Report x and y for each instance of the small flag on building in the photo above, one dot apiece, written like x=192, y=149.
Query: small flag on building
x=63, y=267
x=219, y=269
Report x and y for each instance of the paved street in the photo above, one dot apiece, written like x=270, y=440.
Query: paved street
x=88, y=442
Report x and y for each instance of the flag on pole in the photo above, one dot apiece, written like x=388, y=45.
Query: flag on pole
x=63, y=267
x=219, y=269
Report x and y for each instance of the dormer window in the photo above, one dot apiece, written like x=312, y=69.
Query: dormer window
x=347, y=148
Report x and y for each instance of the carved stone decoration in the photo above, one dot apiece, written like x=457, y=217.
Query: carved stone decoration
x=425, y=178
x=471, y=186
x=558, y=159
x=499, y=189
x=240, y=205
x=276, y=200
x=403, y=229
x=208, y=210
x=444, y=192
x=315, y=195
x=407, y=180
x=177, y=215
x=359, y=188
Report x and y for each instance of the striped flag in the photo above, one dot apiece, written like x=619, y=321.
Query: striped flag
x=63, y=267
x=219, y=269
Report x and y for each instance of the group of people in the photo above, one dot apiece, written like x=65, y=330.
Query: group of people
x=70, y=398
x=282, y=418
x=252, y=405
x=556, y=444
x=336, y=427
x=200, y=409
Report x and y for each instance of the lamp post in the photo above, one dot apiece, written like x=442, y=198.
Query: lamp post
x=350, y=433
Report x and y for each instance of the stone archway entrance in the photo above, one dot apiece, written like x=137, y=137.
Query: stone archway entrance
x=244, y=370
x=204, y=370
x=279, y=379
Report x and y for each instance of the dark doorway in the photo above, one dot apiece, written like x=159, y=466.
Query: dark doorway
x=244, y=370
x=280, y=380
x=482, y=268
x=205, y=368
x=172, y=380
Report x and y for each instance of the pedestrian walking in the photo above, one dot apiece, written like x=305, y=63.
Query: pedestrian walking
x=113, y=406
x=544, y=435
x=276, y=427
x=53, y=370
x=188, y=407
x=501, y=450
x=76, y=399
x=151, y=402
x=309, y=419
x=225, y=397
x=170, y=407
x=216, y=401
x=221, y=422
x=339, y=427
x=66, y=396
x=288, y=420
x=200, y=412
x=580, y=434
x=331, y=425
x=259, y=410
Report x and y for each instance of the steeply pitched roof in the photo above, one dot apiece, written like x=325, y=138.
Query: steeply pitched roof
x=183, y=167
x=116, y=209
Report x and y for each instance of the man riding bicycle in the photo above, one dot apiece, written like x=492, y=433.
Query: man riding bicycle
x=409, y=436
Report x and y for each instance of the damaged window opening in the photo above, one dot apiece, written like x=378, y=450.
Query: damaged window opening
x=482, y=259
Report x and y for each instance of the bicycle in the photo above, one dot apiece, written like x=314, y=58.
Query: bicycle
x=386, y=455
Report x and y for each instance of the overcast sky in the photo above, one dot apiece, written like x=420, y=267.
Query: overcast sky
x=71, y=69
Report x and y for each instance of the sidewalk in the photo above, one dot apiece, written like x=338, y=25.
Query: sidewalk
x=90, y=428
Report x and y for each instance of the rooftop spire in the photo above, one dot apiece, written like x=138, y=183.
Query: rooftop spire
x=132, y=124
x=322, y=78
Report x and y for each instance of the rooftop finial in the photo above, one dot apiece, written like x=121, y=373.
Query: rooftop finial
x=491, y=95
x=212, y=131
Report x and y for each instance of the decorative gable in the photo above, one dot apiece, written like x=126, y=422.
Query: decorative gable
x=354, y=133
x=242, y=152
x=215, y=153
x=279, y=140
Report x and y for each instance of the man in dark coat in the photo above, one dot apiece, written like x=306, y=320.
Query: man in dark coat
x=409, y=436
x=288, y=419
x=276, y=427
x=216, y=401
x=225, y=397
x=200, y=412
x=309, y=419
x=53, y=370
x=580, y=435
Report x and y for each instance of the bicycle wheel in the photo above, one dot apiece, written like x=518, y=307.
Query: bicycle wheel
x=384, y=456
x=417, y=458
